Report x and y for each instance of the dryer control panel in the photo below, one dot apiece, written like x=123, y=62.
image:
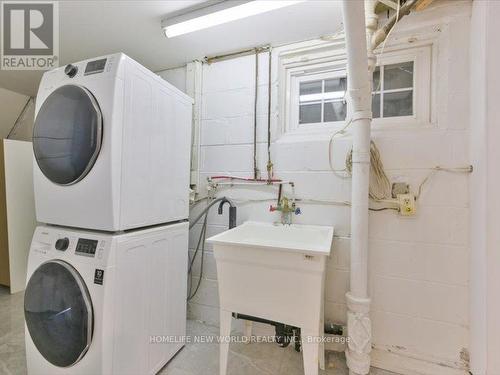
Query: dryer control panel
x=96, y=66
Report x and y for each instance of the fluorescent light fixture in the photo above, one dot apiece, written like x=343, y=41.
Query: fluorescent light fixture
x=218, y=13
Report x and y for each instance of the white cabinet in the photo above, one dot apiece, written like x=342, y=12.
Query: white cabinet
x=17, y=211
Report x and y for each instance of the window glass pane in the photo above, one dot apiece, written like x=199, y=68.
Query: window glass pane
x=307, y=88
x=310, y=113
x=398, y=76
x=398, y=104
x=335, y=111
x=376, y=105
x=335, y=84
x=376, y=79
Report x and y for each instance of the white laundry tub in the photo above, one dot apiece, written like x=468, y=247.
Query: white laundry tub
x=275, y=272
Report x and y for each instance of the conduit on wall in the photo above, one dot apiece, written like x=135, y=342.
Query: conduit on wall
x=269, y=96
x=256, y=97
x=256, y=51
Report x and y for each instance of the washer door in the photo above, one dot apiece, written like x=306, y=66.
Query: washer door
x=67, y=134
x=58, y=313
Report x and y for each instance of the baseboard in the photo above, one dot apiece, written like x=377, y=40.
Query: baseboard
x=410, y=366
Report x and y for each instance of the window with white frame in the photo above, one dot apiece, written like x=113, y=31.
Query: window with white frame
x=393, y=87
x=316, y=99
x=322, y=99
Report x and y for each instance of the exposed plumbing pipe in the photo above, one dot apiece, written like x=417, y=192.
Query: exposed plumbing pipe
x=233, y=55
x=269, y=94
x=371, y=20
x=255, y=170
x=380, y=35
x=228, y=177
x=359, y=85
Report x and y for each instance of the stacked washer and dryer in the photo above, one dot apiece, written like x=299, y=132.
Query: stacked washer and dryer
x=107, y=270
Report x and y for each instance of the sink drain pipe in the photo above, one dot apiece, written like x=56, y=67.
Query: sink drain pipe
x=359, y=86
x=284, y=333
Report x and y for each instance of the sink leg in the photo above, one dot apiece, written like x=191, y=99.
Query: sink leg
x=225, y=332
x=248, y=330
x=322, y=334
x=310, y=352
x=321, y=348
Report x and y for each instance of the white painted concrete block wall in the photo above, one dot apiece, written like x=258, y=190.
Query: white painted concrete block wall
x=418, y=266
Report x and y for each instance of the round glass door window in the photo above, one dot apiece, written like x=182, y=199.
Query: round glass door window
x=58, y=313
x=67, y=134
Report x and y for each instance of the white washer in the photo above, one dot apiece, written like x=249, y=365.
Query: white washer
x=94, y=301
x=112, y=146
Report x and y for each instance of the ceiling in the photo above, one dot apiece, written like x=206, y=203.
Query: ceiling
x=94, y=28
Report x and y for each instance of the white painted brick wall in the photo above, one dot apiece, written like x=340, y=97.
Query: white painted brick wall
x=418, y=266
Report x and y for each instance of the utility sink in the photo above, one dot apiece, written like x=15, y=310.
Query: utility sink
x=305, y=239
x=275, y=272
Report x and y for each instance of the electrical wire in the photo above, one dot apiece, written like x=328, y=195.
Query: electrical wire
x=380, y=186
x=384, y=209
x=468, y=169
x=330, y=150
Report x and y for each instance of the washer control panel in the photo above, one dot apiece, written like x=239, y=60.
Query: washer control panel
x=86, y=247
x=67, y=244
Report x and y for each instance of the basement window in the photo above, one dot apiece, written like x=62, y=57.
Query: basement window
x=392, y=94
x=316, y=100
x=323, y=101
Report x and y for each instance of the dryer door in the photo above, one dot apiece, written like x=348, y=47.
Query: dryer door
x=58, y=313
x=67, y=134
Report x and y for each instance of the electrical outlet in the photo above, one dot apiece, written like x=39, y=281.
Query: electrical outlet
x=407, y=205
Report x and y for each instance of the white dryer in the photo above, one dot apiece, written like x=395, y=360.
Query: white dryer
x=96, y=303
x=111, y=142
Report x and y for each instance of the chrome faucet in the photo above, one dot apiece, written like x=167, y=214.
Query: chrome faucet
x=286, y=210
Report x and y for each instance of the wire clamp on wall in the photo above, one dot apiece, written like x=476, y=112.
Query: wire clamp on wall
x=361, y=115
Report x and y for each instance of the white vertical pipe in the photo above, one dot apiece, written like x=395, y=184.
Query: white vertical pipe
x=360, y=99
x=359, y=85
x=194, y=82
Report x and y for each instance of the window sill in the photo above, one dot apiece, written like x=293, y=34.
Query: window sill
x=315, y=133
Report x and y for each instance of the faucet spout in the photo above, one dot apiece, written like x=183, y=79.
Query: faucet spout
x=232, y=211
